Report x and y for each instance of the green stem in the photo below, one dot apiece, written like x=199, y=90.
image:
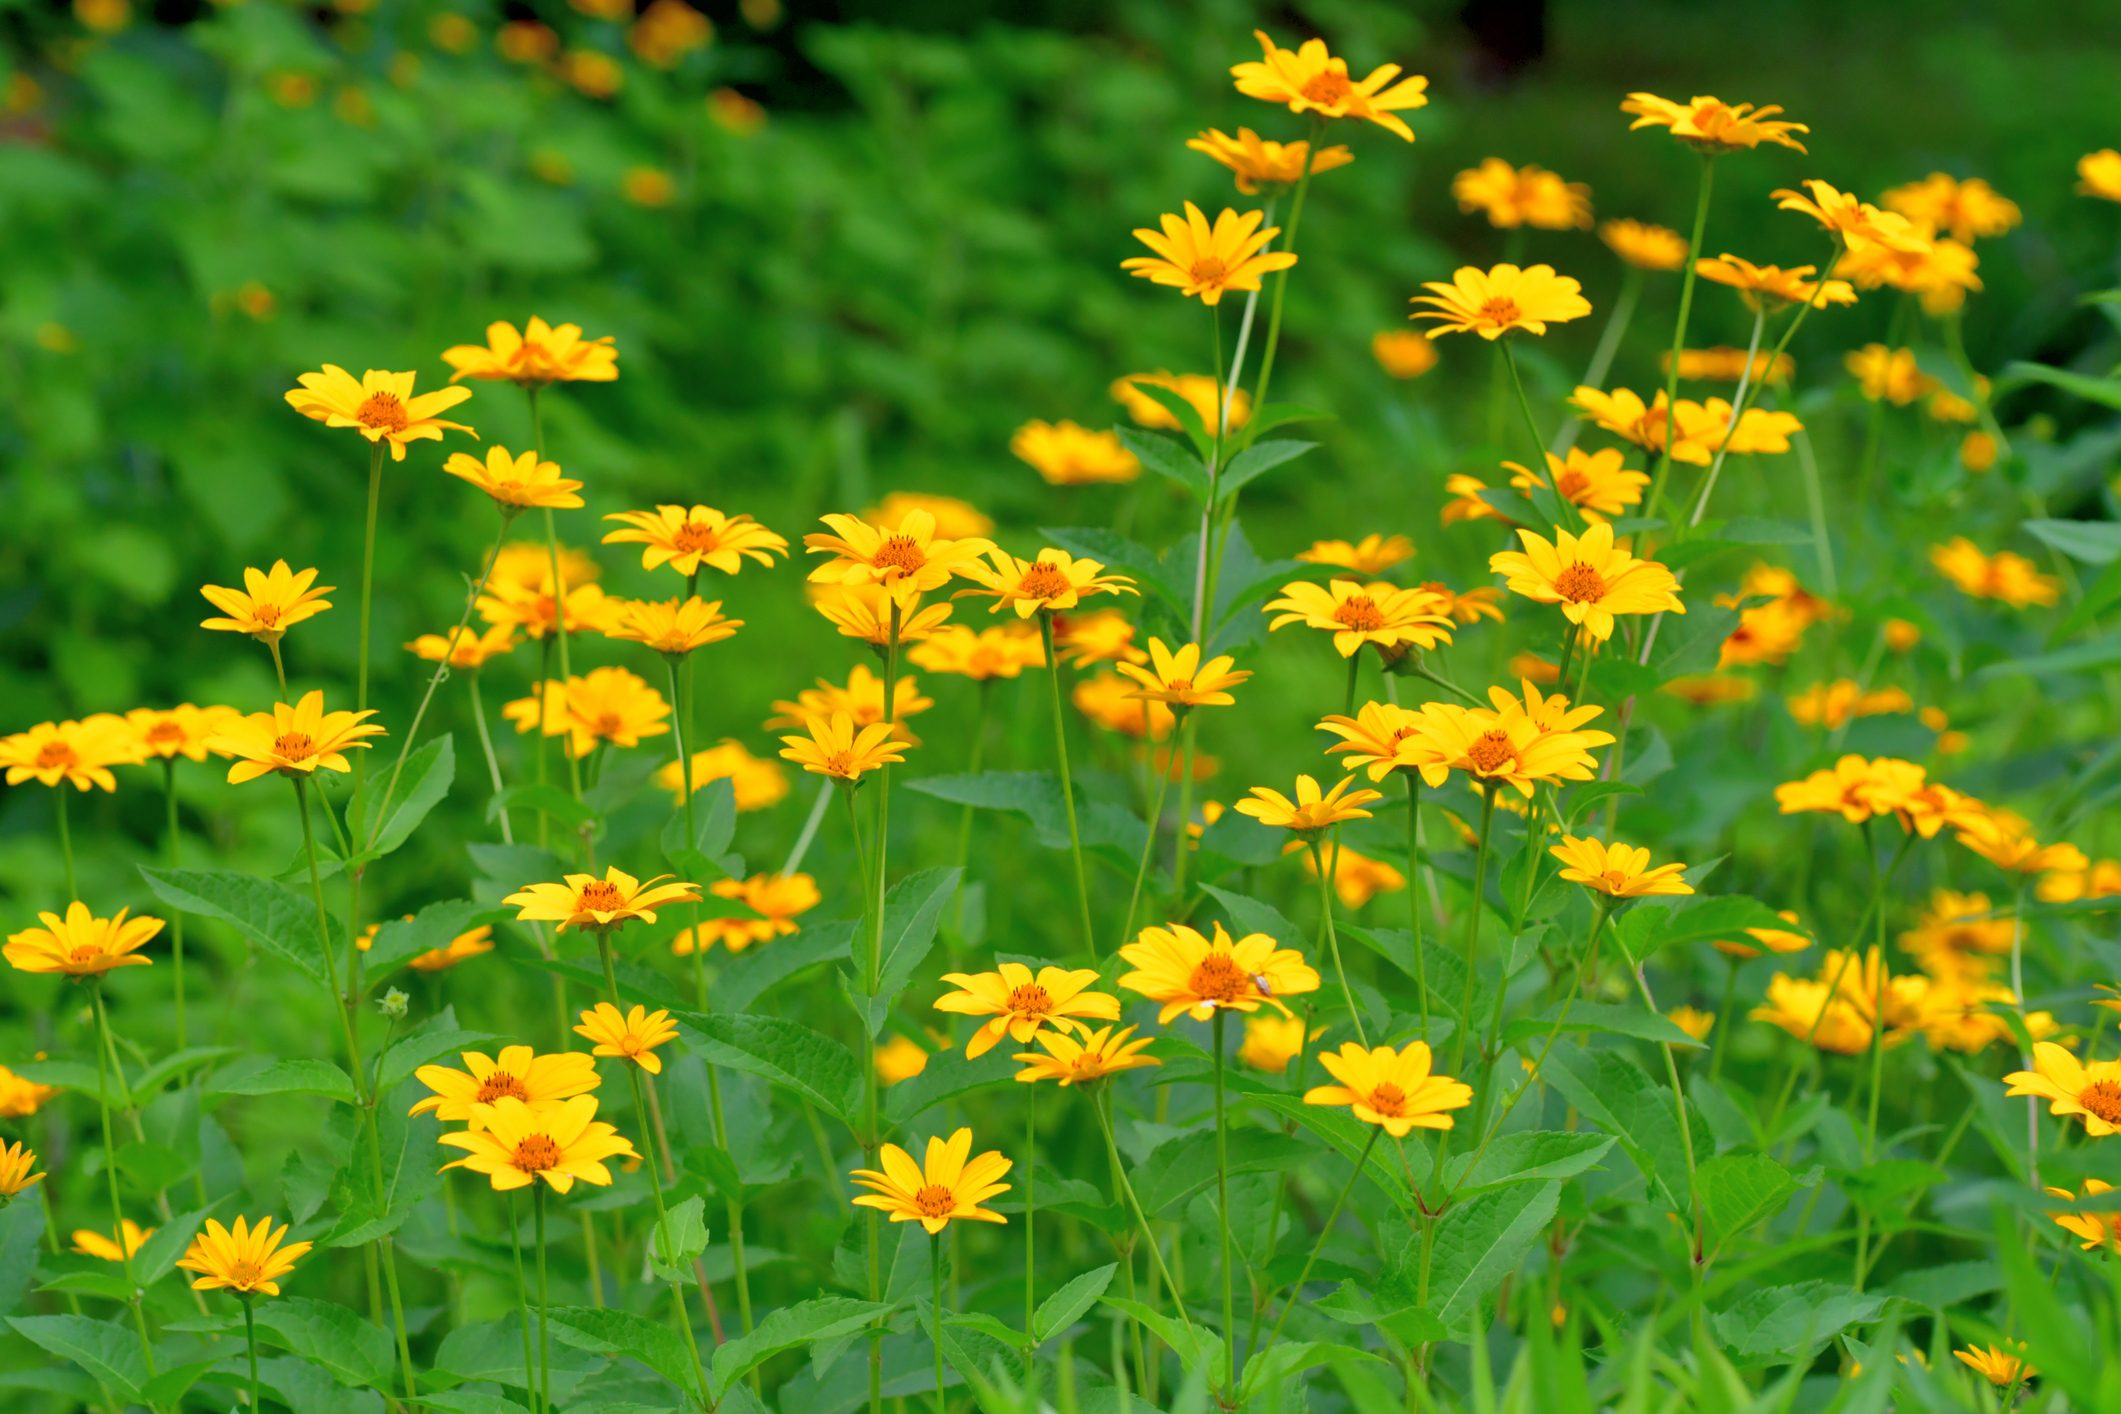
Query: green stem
x=176, y=917
x=1475, y=908
x=537, y=1208
x=493, y=761
x=279, y=664
x=1187, y=731
x=1686, y=1132
x=973, y=760
x=104, y=1050
x=1204, y=560
x=1874, y=420
x=1686, y=308
x=1296, y=1292
x=1281, y=277
x=1156, y=815
x=935, y=1267
x=1222, y=1204
x=530, y=1359
x=1616, y=327
x=1421, y=963
x=1325, y=914
x=1538, y=464
x=1060, y=746
x=250, y=1341
x=1141, y=1219
x=1030, y=1213
x=1738, y=402
x=368, y=570
x=66, y=843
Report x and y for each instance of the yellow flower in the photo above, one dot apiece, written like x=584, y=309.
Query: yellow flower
x=1623, y=413
x=1271, y=1042
x=1644, y=246
x=1380, y=738
x=1202, y=393
x=270, y=602
x=1067, y=454
x=182, y=730
x=1310, y=80
x=1205, y=261
x=1396, y=1090
x=2004, y=576
x=76, y=753
x=381, y=406
x=942, y=1188
x=1258, y=163
x=517, y=1072
x=1110, y=701
x=1855, y=787
x=1618, y=870
x=2089, y=1089
x=1692, y=1020
x=671, y=626
x=907, y=557
x=516, y=483
x=777, y=898
x=1767, y=633
x=1857, y=223
x=1771, y=287
x=1589, y=577
x=2006, y=840
x=981, y=654
x=865, y=611
x=585, y=901
x=1492, y=303
x=1468, y=606
x=90, y=1243
x=1311, y=810
x=244, y=1259
x=1384, y=614
x=1710, y=125
x=2099, y=174
x=19, y=1098
x=1403, y=353
x=952, y=517
x=1100, y=636
x=1977, y=453
x=690, y=538
x=1522, y=196
x=1811, y=1010
x=1373, y=554
x=862, y=699
x=1054, y=581
x=759, y=782
x=1184, y=971
x=461, y=948
x=1888, y=374
x=1834, y=705
x=470, y=651
x=81, y=944
x=1711, y=689
x=1941, y=270
x=17, y=1163
x=1357, y=878
x=1594, y=482
x=1955, y=934
x=2001, y=1368
x=607, y=705
x=560, y=1143
x=587, y=608
x=2100, y=1229
x=2102, y=879
x=633, y=1035
x=836, y=749
x=294, y=741
x=900, y=1058
x=1965, y=210
x=541, y=353
x=1071, y=1061
x=1507, y=746
x=1022, y=1005
x=527, y=565
x=1181, y=679
x=1724, y=364
x=667, y=31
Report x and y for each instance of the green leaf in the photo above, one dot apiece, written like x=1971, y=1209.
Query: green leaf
x=1526, y=1156
x=752, y=973
x=606, y=1332
x=2094, y=542
x=2099, y=596
x=1256, y=461
x=1036, y=796
x=912, y=911
x=435, y=926
x=1197, y=1347
x=1167, y=457
x=1184, y=1165
x=109, y=1351
x=355, y=1351
x=948, y=1075
x=553, y=802
x=1782, y=1322
x=21, y=1230
x=1269, y=1367
x=296, y=1076
x=1249, y=915
x=276, y=919
x=679, y=1237
x=426, y=778
x=1273, y=415
x=1066, y=1306
x=436, y=1037
x=2106, y=392
x=2093, y=654
x=1649, y=927
x=1349, y=1136
x=708, y=854
x=788, y=1054
x=1481, y=1242
x=805, y=1323
x=1189, y=417
x=1613, y=1093
x=1605, y=1018
x=157, y=1256
x=1739, y=1190
x=1116, y=552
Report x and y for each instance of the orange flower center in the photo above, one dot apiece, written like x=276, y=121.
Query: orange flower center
x=1218, y=978
x=294, y=746
x=1359, y=612
x=1579, y=583
x=244, y=1273
x=695, y=537
x=600, y=896
x=1179, y=687
x=899, y=552
x=1615, y=880
x=1491, y=751
x=85, y=952
x=499, y=1085
x=1328, y=86
x=935, y=1201
x=56, y=754
x=1389, y=1100
x=384, y=411
x=536, y=1153
x=609, y=724
x=165, y=733
x=2103, y=1099
x=1030, y=1000
x=1208, y=270
x=1501, y=310
x=1571, y=484
x=1044, y=580
x=840, y=763
x=266, y=614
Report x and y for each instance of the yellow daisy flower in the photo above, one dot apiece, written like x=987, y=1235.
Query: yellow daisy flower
x=1711, y=126
x=778, y=899
x=909, y=556
x=1589, y=577
x=2100, y=1229
x=1396, y=1090
x=1512, y=197
x=1181, y=679
x=2088, y=1089
x=633, y=1035
x=1311, y=810
x=1620, y=871
x=1261, y=165
x=1068, y=454
x=559, y=1143
x=1373, y=554
x=1069, y=1060
x=1054, y=581
x=834, y=748
x=1310, y=80
x=2001, y=1368
x=1187, y=972
x=516, y=483
x=585, y=901
x=270, y=602
x=982, y=654
x=1645, y=246
x=540, y=353
x=90, y=1243
x=1354, y=613
x=1596, y=483
x=690, y=538
x=1966, y=210
x=470, y=651
x=1202, y=393
x=18, y=1174
x=380, y=406
x=294, y=741
x=79, y=754
x=759, y=781
x=1206, y=261
x=516, y=1072
x=81, y=944
x=945, y=1187
x=672, y=627
x=241, y=1258
x=182, y=730
x=1502, y=300
x=1771, y=287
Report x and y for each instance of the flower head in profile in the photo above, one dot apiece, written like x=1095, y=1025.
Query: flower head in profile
x=81, y=944
x=79, y=754
x=463, y=648
x=1396, y=1090
x=1724, y=364
x=632, y=1035
x=1020, y=1005
x=1619, y=871
x=777, y=900
x=1311, y=810
x=516, y=483
x=1403, y=353
x=294, y=741
x=951, y=517
x=1197, y=390
x=1771, y=288
x=183, y=730
x=1190, y=973
x=672, y=627
x=109, y=1247
x=1644, y=246
x=1311, y=80
x=1099, y=636
x=248, y=1260
x=758, y=781
x=1766, y=940
x=1591, y=578
x=835, y=748
x=1854, y=221
x=2004, y=838
x=1206, y=261
x=2099, y=174
x=1940, y=270
x=2001, y=1367
x=539, y=353
x=947, y=1186
x=1260, y=165
x=1597, y=483
x=2095, y=1229
x=898, y=1058
x=862, y=698
x=1711, y=126
x=516, y=1072
x=1357, y=878
x=1511, y=197
x=1114, y=704
x=18, y=1171
x=691, y=538
x=1508, y=746
x=1502, y=300
x=2091, y=1090
x=1965, y=210
x=559, y=1143
x=907, y=556
x=606, y=706
x=1053, y=582
x=1692, y=1020
x=2005, y=576
x=379, y=405
x=1373, y=554
x=1089, y=1055
x=269, y=603
x=20, y=1098
x=1068, y=454
x=585, y=608
x=585, y=901
x=1888, y=375
x=1271, y=1042
x=1355, y=613
x=1182, y=679
x=1380, y=738
x=981, y=654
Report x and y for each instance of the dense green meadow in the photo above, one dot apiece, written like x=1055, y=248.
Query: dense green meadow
x=1807, y=1107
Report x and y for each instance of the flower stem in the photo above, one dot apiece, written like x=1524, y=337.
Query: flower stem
x=1281, y=277
x=1325, y=915
x=1421, y=964
x=176, y=917
x=1296, y=1292
x=2032, y=1103
x=66, y=843
x=1537, y=465
x=104, y=1050
x=935, y=1267
x=1141, y=1219
x=1616, y=328
x=537, y=1208
x=1187, y=731
x=1222, y=1201
x=1738, y=401
x=1067, y=785
x=1686, y=308
x=1030, y=1212
x=250, y=1340
x=530, y=1359
x=493, y=762
x=1156, y=815
x=973, y=760
x=1686, y=1131
x=1475, y=908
